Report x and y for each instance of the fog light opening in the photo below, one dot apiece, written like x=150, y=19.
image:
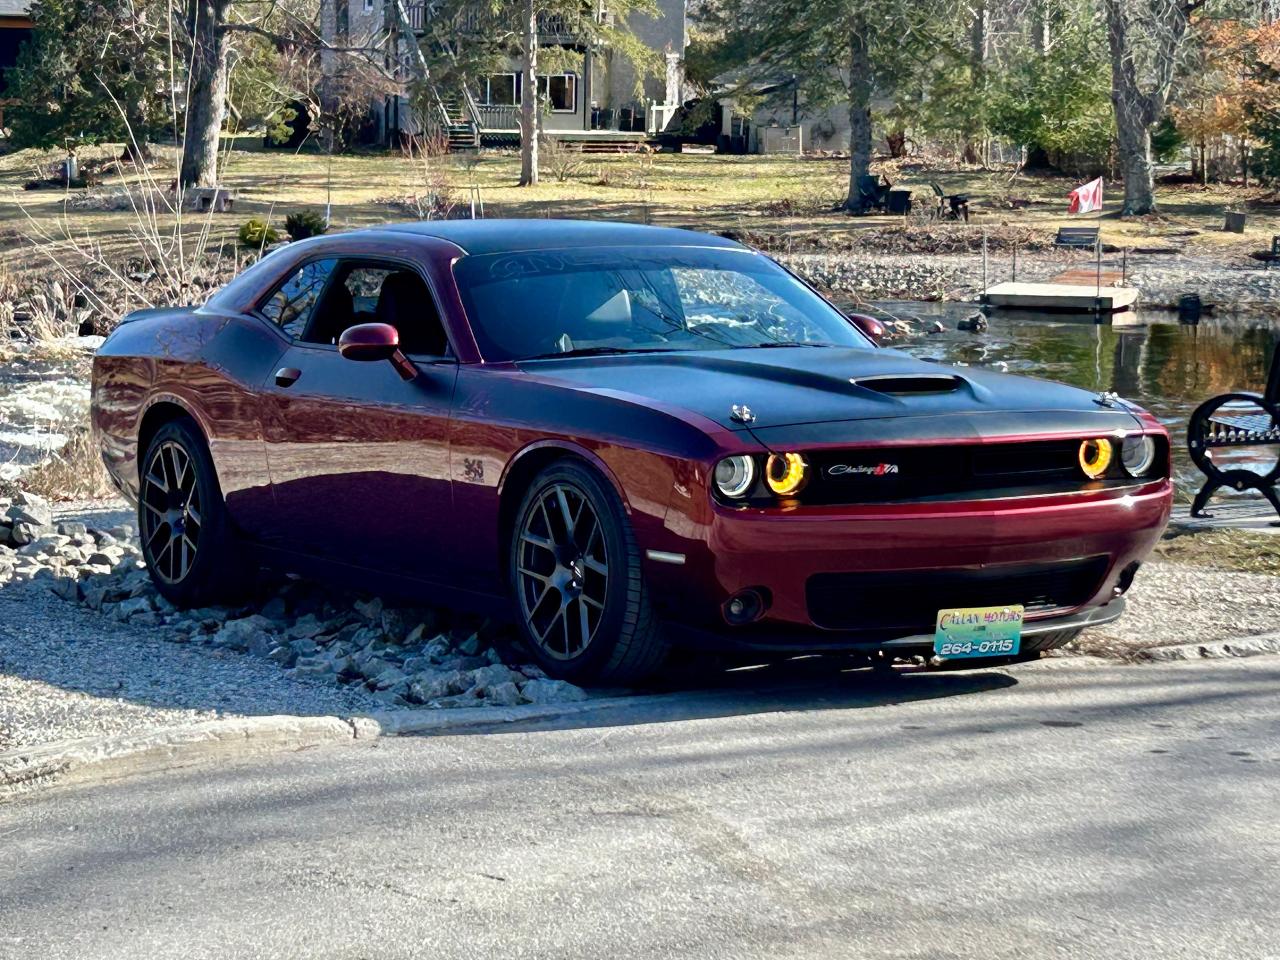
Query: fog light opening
x=1126, y=578
x=745, y=606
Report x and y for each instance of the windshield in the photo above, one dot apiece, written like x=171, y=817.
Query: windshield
x=550, y=303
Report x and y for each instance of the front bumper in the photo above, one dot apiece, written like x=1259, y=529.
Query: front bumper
x=780, y=550
x=1037, y=635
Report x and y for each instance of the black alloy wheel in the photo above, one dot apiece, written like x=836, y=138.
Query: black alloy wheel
x=563, y=571
x=170, y=514
x=581, y=600
x=190, y=549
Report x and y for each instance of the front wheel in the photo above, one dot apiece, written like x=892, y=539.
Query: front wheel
x=581, y=601
x=187, y=541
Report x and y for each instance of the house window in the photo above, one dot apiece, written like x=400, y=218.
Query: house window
x=368, y=6
x=499, y=90
x=560, y=91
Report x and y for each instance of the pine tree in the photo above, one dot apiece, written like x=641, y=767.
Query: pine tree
x=92, y=71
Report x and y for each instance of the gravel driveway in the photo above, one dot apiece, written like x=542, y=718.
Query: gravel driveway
x=67, y=672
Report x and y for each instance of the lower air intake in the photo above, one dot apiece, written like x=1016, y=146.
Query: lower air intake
x=909, y=600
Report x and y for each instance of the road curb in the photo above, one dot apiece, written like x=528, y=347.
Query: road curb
x=102, y=759
x=108, y=758
x=401, y=723
x=1264, y=643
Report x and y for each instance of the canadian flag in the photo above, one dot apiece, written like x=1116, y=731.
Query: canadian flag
x=1086, y=198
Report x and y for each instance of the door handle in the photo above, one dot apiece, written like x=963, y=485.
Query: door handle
x=286, y=376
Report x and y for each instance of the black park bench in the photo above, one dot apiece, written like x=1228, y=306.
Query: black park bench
x=1085, y=237
x=1235, y=421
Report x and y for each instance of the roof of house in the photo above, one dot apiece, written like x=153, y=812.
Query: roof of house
x=14, y=8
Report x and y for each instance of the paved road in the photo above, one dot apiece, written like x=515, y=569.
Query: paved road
x=1070, y=811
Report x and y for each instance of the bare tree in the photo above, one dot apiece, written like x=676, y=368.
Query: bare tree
x=1145, y=39
x=529, y=105
x=206, y=91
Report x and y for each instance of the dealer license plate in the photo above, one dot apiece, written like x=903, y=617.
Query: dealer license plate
x=978, y=632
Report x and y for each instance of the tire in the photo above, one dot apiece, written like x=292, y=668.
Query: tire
x=581, y=602
x=187, y=540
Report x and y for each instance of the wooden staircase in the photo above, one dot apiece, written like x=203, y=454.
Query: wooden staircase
x=459, y=129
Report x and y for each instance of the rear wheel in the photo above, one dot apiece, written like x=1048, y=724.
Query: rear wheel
x=187, y=541
x=582, y=603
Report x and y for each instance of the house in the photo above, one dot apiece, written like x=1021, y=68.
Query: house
x=594, y=99
x=15, y=29
x=773, y=116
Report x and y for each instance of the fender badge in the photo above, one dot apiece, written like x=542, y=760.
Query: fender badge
x=741, y=413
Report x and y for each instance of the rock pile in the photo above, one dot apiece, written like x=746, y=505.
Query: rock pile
x=405, y=657
x=911, y=278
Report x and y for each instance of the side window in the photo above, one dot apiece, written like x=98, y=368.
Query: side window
x=294, y=301
x=366, y=292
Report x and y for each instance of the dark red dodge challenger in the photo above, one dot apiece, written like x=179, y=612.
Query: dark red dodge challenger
x=628, y=437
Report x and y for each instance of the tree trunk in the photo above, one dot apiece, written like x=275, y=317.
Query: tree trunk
x=529, y=99
x=207, y=94
x=137, y=147
x=861, y=84
x=978, y=48
x=1133, y=136
x=1138, y=109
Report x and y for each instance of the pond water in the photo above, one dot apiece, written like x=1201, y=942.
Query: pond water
x=1168, y=367
x=42, y=396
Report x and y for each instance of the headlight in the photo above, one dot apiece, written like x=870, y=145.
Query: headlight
x=734, y=476
x=1137, y=453
x=786, y=473
x=1095, y=457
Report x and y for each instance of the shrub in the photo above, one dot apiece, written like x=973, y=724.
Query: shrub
x=256, y=232
x=564, y=160
x=305, y=223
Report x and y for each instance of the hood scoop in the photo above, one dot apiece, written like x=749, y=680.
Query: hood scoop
x=909, y=384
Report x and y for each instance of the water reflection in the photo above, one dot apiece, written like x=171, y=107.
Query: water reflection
x=1168, y=367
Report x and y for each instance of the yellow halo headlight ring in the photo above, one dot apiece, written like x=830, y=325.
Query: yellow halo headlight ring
x=1096, y=456
x=786, y=473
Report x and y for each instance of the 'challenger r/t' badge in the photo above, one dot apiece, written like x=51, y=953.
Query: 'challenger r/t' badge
x=874, y=470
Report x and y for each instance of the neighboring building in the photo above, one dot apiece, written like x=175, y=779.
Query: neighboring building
x=597, y=100
x=780, y=120
x=15, y=29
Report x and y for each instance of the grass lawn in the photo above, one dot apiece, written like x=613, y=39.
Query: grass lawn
x=782, y=195
x=1242, y=550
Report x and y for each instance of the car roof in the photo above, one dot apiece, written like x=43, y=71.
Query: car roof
x=506, y=236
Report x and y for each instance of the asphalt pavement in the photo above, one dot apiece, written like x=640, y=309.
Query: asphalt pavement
x=1059, y=810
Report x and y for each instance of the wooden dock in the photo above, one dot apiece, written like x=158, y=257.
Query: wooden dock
x=1072, y=291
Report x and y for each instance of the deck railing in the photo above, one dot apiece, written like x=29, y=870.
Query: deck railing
x=552, y=27
x=417, y=13
x=498, y=117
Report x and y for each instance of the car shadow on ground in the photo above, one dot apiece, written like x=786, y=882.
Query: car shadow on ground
x=706, y=690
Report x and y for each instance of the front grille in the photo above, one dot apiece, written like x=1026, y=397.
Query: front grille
x=951, y=471
x=909, y=600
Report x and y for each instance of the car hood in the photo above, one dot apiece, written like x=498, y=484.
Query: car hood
x=810, y=386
